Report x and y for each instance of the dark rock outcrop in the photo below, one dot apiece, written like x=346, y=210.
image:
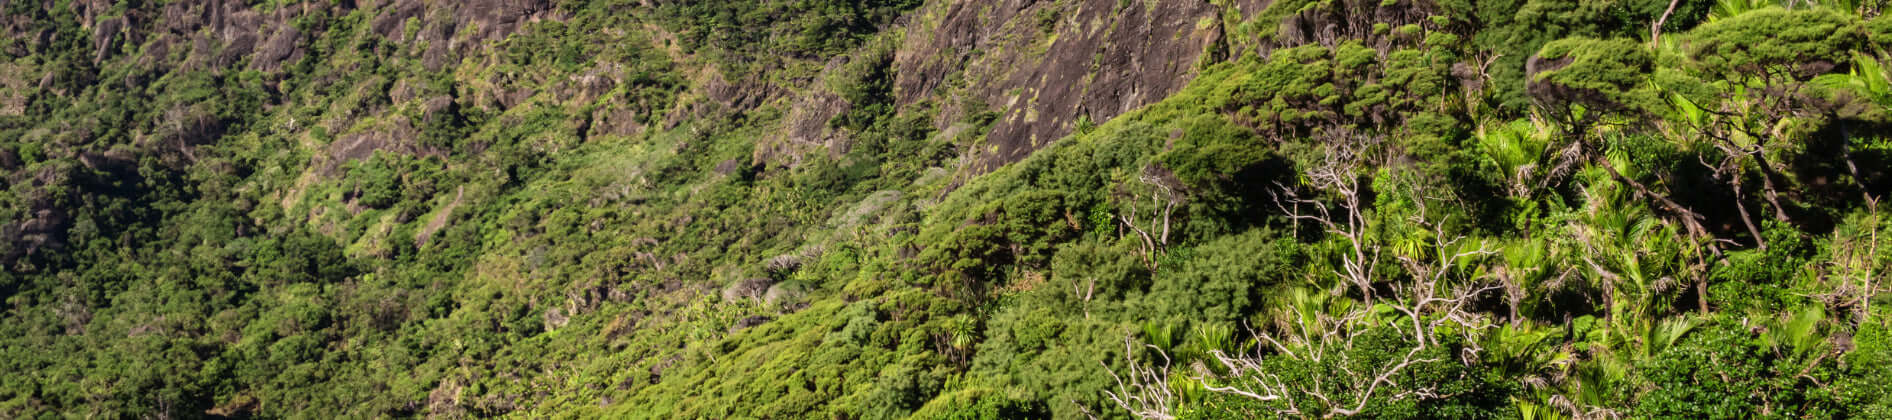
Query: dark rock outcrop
x=1108, y=57
x=747, y=289
x=400, y=137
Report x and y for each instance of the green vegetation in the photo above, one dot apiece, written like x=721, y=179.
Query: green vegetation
x=739, y=209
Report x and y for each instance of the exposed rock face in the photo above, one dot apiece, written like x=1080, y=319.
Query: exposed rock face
x=440, y=219
x=105, y=38
x=400, y=138
x=1044, y=64
x=753, y=288
x=13, y=89
x=614, y=121
x=750, y=322
x=450, y=30
x=222, y=33
x=739, y=94
x=1108, y=57
x=806, y=126
x=281, y=47
x=42, y=226
x=9, y=160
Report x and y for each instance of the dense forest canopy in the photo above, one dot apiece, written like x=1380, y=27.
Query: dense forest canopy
x=868, y=209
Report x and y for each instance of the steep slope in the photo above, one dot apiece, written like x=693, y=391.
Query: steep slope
x=273, y=203
x=1089, y=61
x=942, y=209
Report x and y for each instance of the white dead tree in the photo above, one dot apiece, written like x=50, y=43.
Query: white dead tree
x=1085, y=292
x=1145, y=393
x=1311, y=336
x=1319, y=334
x=1431, y=301
x=1856, y=263
x=1338, y=174
x=1433, y=297
x=1154, y=231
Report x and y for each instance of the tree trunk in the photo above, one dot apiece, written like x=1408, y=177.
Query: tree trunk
x=1690, y=219
x=1767, y=184
x=1655, y=30
x=1745, y=218
x=1701, y=294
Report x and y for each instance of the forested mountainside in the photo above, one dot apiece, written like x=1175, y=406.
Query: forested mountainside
x=867, y=209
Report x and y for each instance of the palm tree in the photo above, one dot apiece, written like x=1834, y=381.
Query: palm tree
x=1598, y=382
x=1592, y=387
x=1534, y=356
x=1641, y=339
x=1539, y=405
x=1800, y=337
x=1515, y=148
x=1527, y=264
x=1606, y=234
x=1526, y=351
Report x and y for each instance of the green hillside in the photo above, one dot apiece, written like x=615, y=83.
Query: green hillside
x=869, y=209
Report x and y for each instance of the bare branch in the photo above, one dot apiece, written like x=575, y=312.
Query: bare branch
x=1146, y=394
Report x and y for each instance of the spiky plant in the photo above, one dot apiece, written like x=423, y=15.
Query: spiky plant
x=1529, y=266
x=1528, y=352
x=1800, y=337
x=1516, y=149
